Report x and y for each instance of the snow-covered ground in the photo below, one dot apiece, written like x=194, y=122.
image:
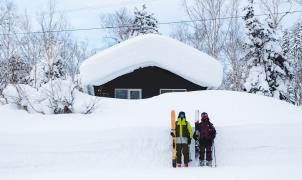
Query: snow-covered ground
x=258, y=138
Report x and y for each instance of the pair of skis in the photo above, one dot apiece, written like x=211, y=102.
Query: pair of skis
x=173, y=131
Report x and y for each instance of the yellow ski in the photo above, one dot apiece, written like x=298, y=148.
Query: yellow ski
x=173, y=132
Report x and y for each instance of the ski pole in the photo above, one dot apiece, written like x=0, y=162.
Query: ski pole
x=214, y=154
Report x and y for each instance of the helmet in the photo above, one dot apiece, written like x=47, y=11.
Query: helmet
x=181, y=115
x=204, y=115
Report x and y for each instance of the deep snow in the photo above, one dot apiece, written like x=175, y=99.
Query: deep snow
x=152, y=50
x=258, y=138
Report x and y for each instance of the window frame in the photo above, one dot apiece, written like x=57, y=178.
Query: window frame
x=128, y=92
x=172, y=90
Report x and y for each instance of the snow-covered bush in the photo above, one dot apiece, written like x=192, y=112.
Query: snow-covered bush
x=55, y=97
x=22, y=95
x=2, y=100
x=84, y=103
x=59, y=94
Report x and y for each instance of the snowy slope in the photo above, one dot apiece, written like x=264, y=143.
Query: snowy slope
x=258, y=138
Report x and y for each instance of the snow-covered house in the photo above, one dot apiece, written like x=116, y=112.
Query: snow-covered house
x=147, y=66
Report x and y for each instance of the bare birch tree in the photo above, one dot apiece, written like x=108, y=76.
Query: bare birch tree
x=233, y=50
x=8, y=43
x=216, y=30
x=52, y=39
x=30, y=48
x=276, y=11
x=208, y=26
x=120, y=19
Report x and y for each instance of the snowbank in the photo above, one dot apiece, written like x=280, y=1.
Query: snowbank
x=152, y=50
x=225, y=108
x=258, y=138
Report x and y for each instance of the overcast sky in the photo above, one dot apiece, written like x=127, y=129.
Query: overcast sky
x=85, y=14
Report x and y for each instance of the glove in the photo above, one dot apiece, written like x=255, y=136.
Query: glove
x=212, y=134
x=172, y=134
x=195, y=136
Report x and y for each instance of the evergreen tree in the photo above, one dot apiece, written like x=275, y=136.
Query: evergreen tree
x=45, y=71
x=18, y=71
x=269, y=72
x=144, y=23
x=14, y=71
x=292, y=48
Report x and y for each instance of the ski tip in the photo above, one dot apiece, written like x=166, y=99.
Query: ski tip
x=173, y=112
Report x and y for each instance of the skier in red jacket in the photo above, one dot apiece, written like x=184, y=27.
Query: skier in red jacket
x=206, y=138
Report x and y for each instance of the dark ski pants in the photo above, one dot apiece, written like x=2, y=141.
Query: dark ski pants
x=205, y=148
x=182, y=149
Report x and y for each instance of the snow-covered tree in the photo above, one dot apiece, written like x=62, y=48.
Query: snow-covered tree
x=123, y=24
x=292, y=47
x=8, y=29
x=18, y=71
x=269, y=72
x=10, y=63
x=43, y=71
x=33, y=60
x=55, y=55
x=144, y=22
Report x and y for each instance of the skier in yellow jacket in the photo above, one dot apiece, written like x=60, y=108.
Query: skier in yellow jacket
x=183, y=139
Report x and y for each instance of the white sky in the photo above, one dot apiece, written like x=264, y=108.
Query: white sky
x=85, y=14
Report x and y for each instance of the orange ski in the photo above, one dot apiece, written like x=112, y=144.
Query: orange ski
x=173, y=132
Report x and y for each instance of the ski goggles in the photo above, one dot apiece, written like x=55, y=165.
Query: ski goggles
x=204, y=116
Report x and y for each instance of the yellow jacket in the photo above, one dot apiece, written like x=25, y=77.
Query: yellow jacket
x=180, y=132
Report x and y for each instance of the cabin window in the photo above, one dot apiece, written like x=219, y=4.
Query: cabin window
x=162, y=91
x=128, y=93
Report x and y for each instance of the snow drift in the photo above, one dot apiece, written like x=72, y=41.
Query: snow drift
x=258, y=137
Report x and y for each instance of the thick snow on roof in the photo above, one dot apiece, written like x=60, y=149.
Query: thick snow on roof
x=152, y=50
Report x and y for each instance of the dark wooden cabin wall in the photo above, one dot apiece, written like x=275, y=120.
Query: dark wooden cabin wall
x=150, y=80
